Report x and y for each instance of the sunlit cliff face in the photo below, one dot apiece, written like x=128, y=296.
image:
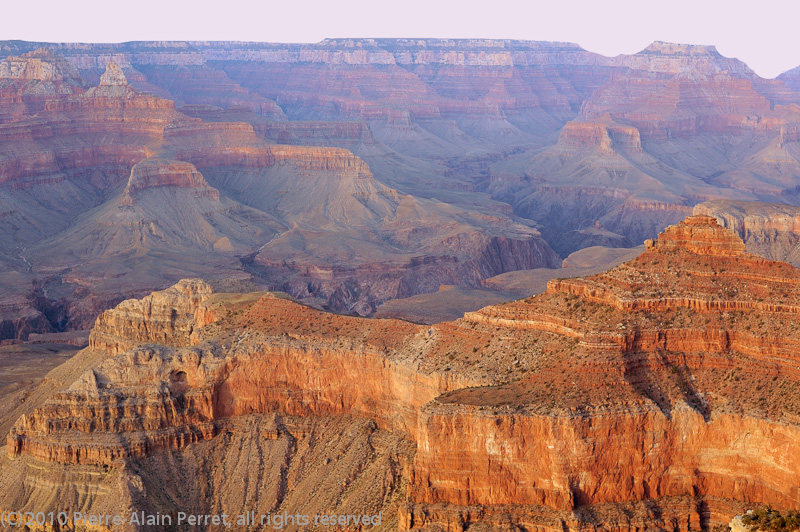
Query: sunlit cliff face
x=652, y=381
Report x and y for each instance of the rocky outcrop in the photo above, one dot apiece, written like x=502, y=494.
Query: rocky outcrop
x=152, y=397
x=154, y=172
x=113, y=92
x=571, y=408
x=631, y=347
x=28, y=81
x=698, y=234
x=168, y=318
x=770, y=230
x=601, y=136
x=113, y=76
x=40, y=65
x=675, y=58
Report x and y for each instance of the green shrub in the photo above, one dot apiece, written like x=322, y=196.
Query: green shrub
x=767, y=519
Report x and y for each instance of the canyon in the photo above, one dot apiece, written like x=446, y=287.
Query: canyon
x=350, y=173
x=463, y=284
x=658, y=394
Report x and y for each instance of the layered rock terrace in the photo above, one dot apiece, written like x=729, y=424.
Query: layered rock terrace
x=669, y=378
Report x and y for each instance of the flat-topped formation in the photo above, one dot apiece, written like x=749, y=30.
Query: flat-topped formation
x=156, y=172
x=114, y=84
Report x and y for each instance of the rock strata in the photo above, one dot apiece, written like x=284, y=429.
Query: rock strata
x=670, y=379
x=40, y=65
x=504, y=150
x=28, y=81
x=770, y=230
x=233, y=191
x=699, y=234
x=168, y=318
x=170, y=398
x=154, y=172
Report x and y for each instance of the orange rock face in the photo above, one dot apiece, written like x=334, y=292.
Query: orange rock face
x=669, y=379
x=612, y=382
x=350, y=371
x=167, y=318
x=699, y=234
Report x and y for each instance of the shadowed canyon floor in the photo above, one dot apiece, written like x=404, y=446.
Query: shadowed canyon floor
x=660, y=394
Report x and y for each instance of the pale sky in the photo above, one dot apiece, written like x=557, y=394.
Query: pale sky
x=762, y=33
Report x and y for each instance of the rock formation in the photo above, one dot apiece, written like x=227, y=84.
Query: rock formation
x=40, y=65
x=168, y=318
x=113, y=76
x=154, y=172
x=28, y=81
x=431, y=162
x=660, y=393
x=771, y=230
x=75, y=153
x=698, y=234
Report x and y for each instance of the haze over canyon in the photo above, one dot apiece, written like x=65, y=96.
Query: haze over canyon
x=349, y=173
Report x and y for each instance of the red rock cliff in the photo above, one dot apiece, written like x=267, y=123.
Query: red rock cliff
x=670, y=379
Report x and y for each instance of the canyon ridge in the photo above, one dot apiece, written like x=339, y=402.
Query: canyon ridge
x=351, y=173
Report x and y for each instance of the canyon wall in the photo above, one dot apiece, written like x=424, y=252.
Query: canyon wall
x=161, y=398
x=66, y=170
x=602, y=393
